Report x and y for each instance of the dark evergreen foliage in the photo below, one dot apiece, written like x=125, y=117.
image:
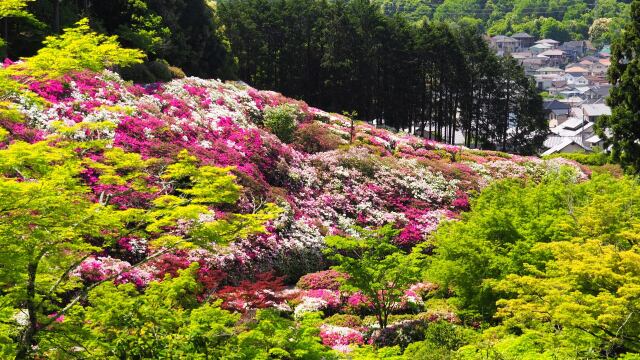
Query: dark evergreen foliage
x=435, y=79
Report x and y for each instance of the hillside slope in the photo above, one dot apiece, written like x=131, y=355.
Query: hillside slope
x=380, y=177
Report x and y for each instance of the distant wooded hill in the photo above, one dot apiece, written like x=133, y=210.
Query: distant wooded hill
x=562, y=20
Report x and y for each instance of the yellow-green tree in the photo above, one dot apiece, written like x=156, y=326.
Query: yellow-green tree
x=49, y=225
x=78, y=48
x=587, y=294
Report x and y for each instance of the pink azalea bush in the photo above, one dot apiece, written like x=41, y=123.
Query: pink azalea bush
x=328, y=279
x=340, y=337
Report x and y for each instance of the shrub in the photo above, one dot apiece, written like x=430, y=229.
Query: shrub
x=445, y=335
x=160, y=69
x=137, y=73
x=591, y=159
x=329, y=279
x=314, y=137
x=345, y=320
x=177, y=73
x=282, y=120
x=401, y=333
x=261, y=293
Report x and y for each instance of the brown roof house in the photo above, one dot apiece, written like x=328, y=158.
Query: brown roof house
x=556, y=57
x=504, y=45
x=577, y=49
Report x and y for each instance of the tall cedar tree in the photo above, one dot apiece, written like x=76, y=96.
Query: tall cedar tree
x=433, y=79
x=622, y=129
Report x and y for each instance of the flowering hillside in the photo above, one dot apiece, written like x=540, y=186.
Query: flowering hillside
x=381, y=177
x=330, y=176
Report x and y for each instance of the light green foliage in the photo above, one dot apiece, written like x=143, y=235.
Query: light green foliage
x=10, y=89
x=598, y=158
x=272, y=336
x=590, y=290
x=122, y=168
x=200, y=188
x=282, y=121
x=556, y=263
x=14, y=8
x=367, y=352
x=441, y=340
x=46, y=219
x=378, y=268
x=165, y=321
x=77, y=49
x=494, y=239
x=50, y=224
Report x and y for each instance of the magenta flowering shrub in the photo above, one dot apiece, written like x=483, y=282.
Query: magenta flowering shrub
x=358, y=303
x=103, y=268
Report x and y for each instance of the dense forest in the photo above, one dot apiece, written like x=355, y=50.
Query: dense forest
x=146, y=214
x=563, y=20
x=436, y=78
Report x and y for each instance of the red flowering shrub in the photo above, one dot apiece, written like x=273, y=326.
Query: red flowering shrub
x=262, y=292
x=169, y=264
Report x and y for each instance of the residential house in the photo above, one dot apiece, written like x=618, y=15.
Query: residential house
x=576, y=71
x=597, y=80
x=557, y=112
x=577, y=49
x=591, y=112
x=545, y=82
x=556, y=57
x=574, y=126
x=594, y=141
x=504, y=45
x=554, y=44
x=549, y=70
x=532, y=64
x=539, y=48
x=572, y=101
x=525, y=40
x=599, y=69
x=574, y=81
x=521, y=55
x=598, y=92
x=560, y=144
